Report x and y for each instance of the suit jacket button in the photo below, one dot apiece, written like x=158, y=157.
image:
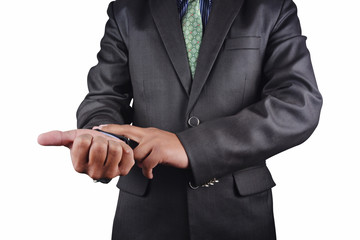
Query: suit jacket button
x=193, y=121
x=192, y=186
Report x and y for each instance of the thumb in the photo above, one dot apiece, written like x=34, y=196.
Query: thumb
x=57, y=138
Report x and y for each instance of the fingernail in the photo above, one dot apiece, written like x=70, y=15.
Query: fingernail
x=103, y=125
x=96, y=127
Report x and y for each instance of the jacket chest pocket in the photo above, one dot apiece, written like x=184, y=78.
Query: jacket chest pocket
x=243, y=43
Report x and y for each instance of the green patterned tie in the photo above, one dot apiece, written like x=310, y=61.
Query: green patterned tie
x=193, y=30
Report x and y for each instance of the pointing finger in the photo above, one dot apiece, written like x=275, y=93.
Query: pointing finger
x=59, y=138
x=132, y=132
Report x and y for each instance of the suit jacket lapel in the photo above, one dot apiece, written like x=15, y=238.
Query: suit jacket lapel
x=222, y=15
x=166, y=18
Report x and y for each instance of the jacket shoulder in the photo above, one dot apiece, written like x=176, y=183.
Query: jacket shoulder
x=130, y=4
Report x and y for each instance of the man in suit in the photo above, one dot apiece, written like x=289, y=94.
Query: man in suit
x=207, y=112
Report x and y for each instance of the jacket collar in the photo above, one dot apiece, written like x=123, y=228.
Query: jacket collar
x=166, y=18
x=223, y=14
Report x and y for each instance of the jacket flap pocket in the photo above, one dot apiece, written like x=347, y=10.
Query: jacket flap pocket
x=134, y=183
x=243, y=43
x=254, y=180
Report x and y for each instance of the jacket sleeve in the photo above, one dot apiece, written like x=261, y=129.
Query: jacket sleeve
x=286, y=115
x=110, y=91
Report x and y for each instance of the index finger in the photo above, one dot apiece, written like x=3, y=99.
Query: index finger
x=59, y=138
x=129, y=131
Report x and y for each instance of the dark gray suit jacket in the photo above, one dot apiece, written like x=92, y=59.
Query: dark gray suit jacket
x=254, y=95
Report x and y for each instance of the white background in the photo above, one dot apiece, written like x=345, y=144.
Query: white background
x=46, y=50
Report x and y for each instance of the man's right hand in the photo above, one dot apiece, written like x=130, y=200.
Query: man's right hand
x=93, y=153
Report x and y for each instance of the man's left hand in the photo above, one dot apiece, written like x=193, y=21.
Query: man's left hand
x=155, y=147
